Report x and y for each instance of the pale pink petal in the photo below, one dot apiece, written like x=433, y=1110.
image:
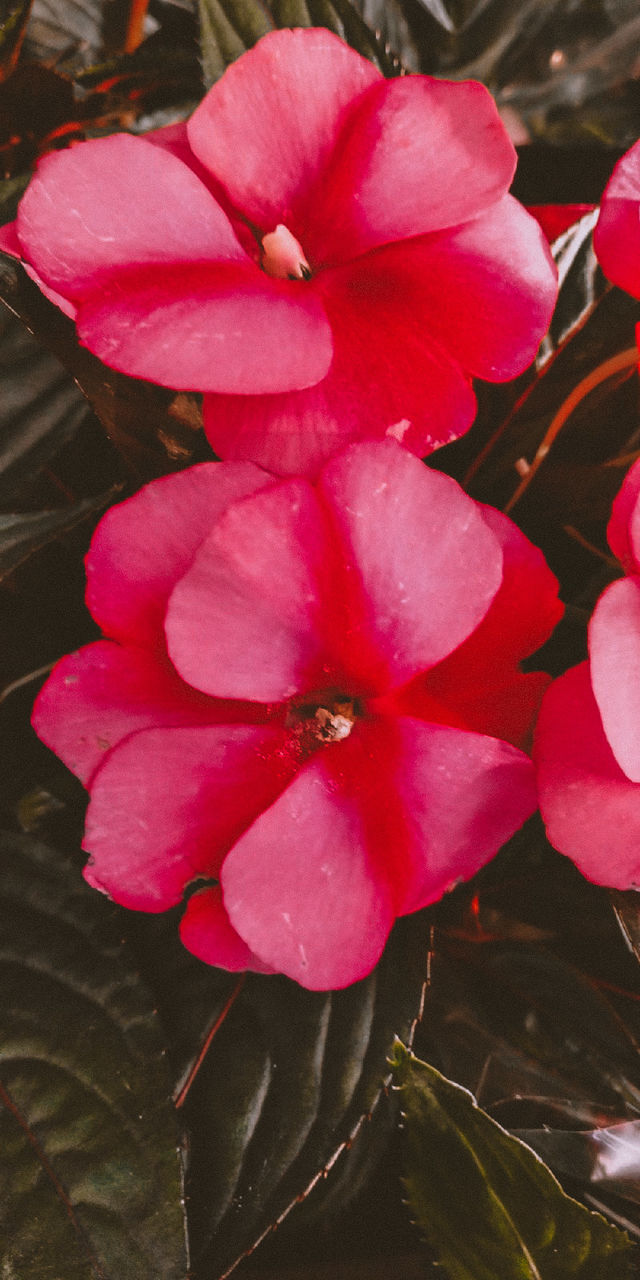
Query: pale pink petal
x=104, y=692
x=168, y=803
x=590, y=808
x=389, y=376
x=300, y=885
x=228, y=328
x=623, y=530
x=614, y=651
x=144, y=545
x=616, y=238
x=206, y=931
x=461, y=796
x=249, y=619
x=484, y=291
x=267, y=129
x=415, y=155
x=82, y=217
x=422, y=564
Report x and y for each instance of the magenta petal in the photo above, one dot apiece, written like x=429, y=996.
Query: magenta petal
x=388, y=377
x=623, y=530
x=406, y=531
x=301, y=888
x=10, y=243
x=167, y=804
x=127, y=594
x=462, y=796
x=616, y=238
x=416, y=155
x=590, y=808
x=267, y=129
x=614, y=651
x=81, y=217
x=484, y=291
x=96, y=697
x=228, y=328
x=249, y=618
x=206, y=931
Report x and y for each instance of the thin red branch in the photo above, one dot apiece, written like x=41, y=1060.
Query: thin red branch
x=181, y=1096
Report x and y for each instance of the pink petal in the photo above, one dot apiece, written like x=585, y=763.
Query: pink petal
x=301, y=888
x=96, y=697
x=614, y=651
x=267, y=129
x=83, y=215
x=249, y=619
x=461, y=794
x=591, y=810
x=206, y=931
x=388, y=377
x=484, y=291
x=10, y=243
x=144, y=545
x=555, y=219
x=423, y=565
x=228, y=328
x=616, y=238
x=485, y=699
x=167, y=804
x=415, y=155
x=623, y=530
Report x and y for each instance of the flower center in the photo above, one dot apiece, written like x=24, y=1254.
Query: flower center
x=322, y=721
x=283, y=257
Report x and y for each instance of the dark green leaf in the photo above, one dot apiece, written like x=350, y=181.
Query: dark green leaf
x=13, y=19
x=90, y=1186
x=486, y=1201
x=285, y=1085
x=151, y=427
x=229, y=27
x=22, y=535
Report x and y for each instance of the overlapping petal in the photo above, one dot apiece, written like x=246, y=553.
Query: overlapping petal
x=206, y=931
x=616, y=238
x=623, y=530
x=614, y=654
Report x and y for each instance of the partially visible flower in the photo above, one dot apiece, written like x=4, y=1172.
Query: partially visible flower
x=555, y=219
x=587, y=746
x=326, y=254
x=616, y=238
x=307, y=705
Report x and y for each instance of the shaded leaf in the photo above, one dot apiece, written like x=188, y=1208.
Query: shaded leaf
x=485, y=1200
x=13, y=19
x=90, y=1186
x=285, y=1084
x=22, y=535
x=229, y=27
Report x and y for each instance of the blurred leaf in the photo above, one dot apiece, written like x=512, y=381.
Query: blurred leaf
x=41, y=408
x=486, y=1201
x=229, y=27
x=606, y=1158
x=90, y=1182
x=22, y=535
x=285, y=1084
x=58, y=28
x=13, y=19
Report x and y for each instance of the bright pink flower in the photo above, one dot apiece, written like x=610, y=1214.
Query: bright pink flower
x=588, y=736
x=616, y=238
x=308, y=695
x=327, y=254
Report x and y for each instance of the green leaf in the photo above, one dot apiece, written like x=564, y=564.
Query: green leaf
x=89, y=1177
x=284, y=1087
x=22, y=535
x=485, y=1200
x=229, y=27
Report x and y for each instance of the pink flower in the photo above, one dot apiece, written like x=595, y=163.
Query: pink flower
x=307, y=697
x=616, y=238
x=588, y=735
x=328, y=255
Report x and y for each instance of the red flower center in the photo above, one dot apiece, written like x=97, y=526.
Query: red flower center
x=283, y=256
x=322, y=720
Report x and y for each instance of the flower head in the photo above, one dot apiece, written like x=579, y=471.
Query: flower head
x=307, y=710
x=326, y=254
x=588, y=736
